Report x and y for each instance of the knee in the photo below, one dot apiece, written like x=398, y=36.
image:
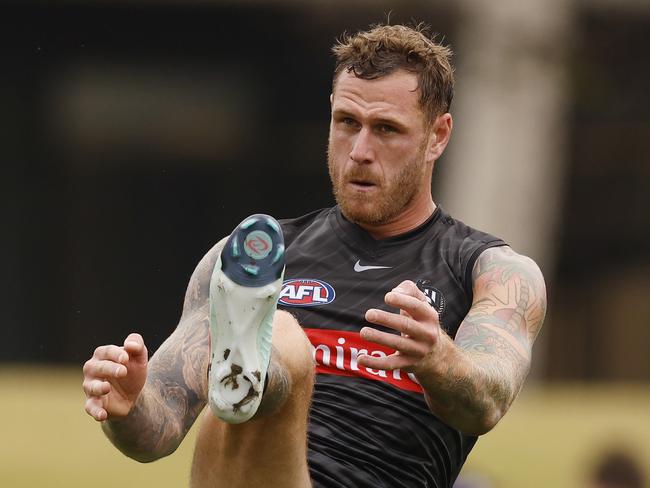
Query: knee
x=291, y=370
x=293, y=347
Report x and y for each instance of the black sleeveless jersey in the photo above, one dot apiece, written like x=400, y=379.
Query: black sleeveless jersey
x=372, y=428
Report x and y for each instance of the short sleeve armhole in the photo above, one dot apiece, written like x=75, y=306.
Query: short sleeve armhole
x=469, y=266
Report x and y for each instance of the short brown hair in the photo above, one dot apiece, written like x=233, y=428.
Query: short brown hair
x=386, y=48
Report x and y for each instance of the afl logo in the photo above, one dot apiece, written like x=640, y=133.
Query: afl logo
x=306, y=293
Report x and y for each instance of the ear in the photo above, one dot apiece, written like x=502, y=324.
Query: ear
x=439, y=136
x=331, y=98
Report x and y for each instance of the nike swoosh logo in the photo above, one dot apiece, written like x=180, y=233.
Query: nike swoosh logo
x=358, y=267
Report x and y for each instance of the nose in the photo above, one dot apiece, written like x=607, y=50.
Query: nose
x=362, y=151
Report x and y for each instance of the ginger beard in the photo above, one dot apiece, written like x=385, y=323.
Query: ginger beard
x=390, y=197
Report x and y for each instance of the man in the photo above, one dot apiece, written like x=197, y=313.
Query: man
x=421, y=327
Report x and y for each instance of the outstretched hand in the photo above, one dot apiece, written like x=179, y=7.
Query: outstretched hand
x=418, y=325
x=114, y=377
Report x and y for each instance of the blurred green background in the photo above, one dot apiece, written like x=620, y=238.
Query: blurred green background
x=134, y=134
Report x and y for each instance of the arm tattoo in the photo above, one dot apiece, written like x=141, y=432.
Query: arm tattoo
x=507, y=313
x=509, y=305
x=176, y=387
x=494, y=341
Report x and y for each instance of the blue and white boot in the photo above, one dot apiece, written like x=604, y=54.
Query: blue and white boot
x=244, y=290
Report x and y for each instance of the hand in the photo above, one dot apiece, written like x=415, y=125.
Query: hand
x=114, y=377
x=417, y=323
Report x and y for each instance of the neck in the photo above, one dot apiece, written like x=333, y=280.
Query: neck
x=406, y=221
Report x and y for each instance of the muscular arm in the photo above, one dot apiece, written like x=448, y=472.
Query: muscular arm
x=471, y=381
x=484, y=368
x=176, y=388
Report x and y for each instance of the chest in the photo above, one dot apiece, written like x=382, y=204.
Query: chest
x=331, y=285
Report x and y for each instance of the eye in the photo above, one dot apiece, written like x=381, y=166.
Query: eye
x=348, y=122
x=386, y=128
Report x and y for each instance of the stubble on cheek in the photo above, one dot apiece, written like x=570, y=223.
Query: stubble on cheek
x=389, y=198
x=357, y=207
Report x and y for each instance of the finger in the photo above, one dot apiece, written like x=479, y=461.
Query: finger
x=103, y=369
x=134, y=345
x=96, y=388
x=414, y=306
x=402, y=323
x=405, y=345
x=111, y=353
x=388, y=363
x=94, y=408
x=410, y=288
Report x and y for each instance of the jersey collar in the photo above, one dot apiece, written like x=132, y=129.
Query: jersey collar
x=358, y=238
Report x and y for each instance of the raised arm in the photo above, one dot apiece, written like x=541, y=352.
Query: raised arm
x=147, y=423
x=471, y=381
x=494, y=341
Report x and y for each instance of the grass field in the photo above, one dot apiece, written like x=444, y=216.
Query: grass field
x=548, y=439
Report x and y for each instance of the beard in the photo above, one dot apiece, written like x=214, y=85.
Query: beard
x=389, y=198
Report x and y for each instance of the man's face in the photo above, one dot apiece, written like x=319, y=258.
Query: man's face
x=378, y=154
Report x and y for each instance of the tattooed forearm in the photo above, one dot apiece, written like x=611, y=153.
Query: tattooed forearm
x=484, y=372
x=174, y=395
x=176, y=387
x=469, y=391
x=468, y=396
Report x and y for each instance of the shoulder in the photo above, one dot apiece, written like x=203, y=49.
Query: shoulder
x=460, y=246
x=305, y=220
x=465, y=236
x=507, y=279
x=506, y=262
x=294, y=226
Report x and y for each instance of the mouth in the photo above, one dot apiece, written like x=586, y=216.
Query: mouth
x=362, y=185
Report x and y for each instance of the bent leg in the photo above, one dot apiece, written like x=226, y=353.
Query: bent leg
x=270, y=450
